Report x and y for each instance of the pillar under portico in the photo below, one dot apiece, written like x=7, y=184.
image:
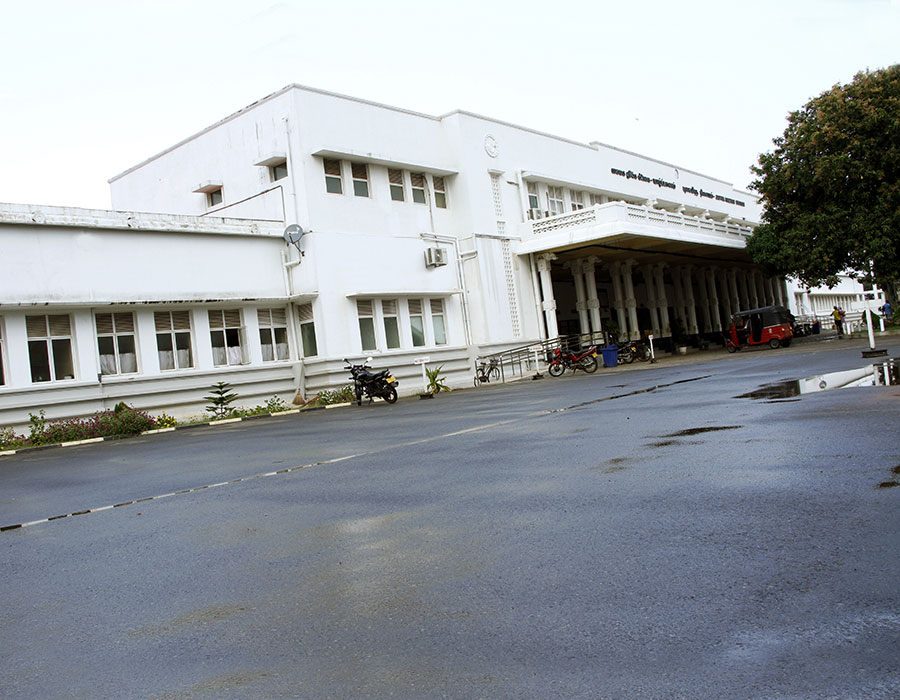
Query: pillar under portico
x=630, y=301
x=665, y=325
x=549, y=303
x=576, y=268
x=590, y=283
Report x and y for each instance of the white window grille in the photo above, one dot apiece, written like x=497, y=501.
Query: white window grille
x=437, y=322
x=226, y=335
x=577, y=199
x=396, y=181
x=391, y=323
x=333, y=180
x=534, y=201
x=307, y=330
x=273, y=334
x=555, y=202
x=440, y=192
x=50, y=347
x=365, y=312
x=173, y=339
x=417, y=181
x=416, y=322
x=115, y=343
x=360, y=173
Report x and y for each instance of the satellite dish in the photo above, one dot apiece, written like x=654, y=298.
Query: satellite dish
x=293, y=234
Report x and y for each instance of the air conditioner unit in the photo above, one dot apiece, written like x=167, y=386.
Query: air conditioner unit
x=535, y=214
x=435, y=257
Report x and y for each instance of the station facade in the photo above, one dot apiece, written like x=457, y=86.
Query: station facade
x=414, y=236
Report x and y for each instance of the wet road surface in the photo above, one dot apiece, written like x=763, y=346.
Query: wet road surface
x=640, y=535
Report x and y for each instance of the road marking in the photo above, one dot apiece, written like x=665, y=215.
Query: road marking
x=335, y=460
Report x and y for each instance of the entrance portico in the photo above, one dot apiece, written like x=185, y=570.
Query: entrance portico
x=631, y=270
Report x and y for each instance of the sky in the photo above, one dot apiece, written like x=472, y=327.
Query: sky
x=91, y=88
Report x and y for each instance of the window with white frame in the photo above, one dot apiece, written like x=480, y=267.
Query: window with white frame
x=115, y=343
x=598, y=199
x=360, y=173
x=173, y=339
x=534, y=201
x=555, y=202
x=577, y=199
x=391, y=323
x=417, y=182
x=307, y=330
x=440, y=192
x=437, y=321
x=278, y=170
x=273, y=334
x=365, y=310
x=215, y=197
x=333, y=180
x=395, y=177
x=225, y=333
x=50, y=347
x=416, y=322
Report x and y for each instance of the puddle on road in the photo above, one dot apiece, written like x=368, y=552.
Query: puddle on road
x=885, y=373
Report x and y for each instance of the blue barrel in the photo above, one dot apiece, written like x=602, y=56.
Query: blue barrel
x=610, y=355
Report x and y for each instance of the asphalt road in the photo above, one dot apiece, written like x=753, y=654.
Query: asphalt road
x=636, y=534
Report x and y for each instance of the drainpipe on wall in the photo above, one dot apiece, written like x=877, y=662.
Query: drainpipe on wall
x=460, y=277
x=297, y=364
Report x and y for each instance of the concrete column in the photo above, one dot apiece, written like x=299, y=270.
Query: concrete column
x=725, y=294
x=590, y=283
x=584, y=323
x=751, y=287
x=665, y=326
x=690, y=305
x=652, y=298
x=745, y=292
x=630, y=301
x=549, y=303
x=619, y=301
x=715, y=313
x=769, y=291
x=703, y=300
x=732, y=285
x=678, y=296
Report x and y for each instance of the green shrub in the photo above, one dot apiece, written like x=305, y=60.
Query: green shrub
x=122, y=420
x=165, y=421
x=435, y=383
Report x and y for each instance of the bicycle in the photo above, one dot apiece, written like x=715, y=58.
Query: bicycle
x=486, y=371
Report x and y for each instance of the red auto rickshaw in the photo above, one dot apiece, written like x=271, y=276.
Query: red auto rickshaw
x=769, y=325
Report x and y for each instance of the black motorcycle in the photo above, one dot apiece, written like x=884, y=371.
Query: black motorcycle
x=369, y=383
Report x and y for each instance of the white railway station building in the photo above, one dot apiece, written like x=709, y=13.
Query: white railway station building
x=450, y=237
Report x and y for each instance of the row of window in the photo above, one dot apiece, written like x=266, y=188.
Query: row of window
x=383, y=323
x=403, y=184
x=556, y=199
x=277, y=170
x=50, y=341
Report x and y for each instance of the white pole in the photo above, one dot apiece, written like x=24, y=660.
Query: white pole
x=869, y=323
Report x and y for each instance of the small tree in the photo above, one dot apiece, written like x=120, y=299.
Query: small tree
x=220, y=400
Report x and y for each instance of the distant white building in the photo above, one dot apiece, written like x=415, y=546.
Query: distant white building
x=449, y=237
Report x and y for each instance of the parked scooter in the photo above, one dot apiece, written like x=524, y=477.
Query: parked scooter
x=370, y=384
x=562, y=361
x=632, y=350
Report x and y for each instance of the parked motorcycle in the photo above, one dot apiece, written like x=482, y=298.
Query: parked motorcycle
x=562, y=361
x=370, y=384
x=632, y=350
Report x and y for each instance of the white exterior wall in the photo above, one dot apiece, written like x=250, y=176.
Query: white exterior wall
x=182, y=254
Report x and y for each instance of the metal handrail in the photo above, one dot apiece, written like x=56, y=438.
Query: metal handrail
x=515, y=362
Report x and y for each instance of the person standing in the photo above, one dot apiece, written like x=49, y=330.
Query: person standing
x=838, y=316
x=887, y=311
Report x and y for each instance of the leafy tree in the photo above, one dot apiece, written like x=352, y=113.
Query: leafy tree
x=831, y=187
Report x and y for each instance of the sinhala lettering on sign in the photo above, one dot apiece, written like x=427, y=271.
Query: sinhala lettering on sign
x=640, y=177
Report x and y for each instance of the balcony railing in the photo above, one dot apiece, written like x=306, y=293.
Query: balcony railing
x=607, y=213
